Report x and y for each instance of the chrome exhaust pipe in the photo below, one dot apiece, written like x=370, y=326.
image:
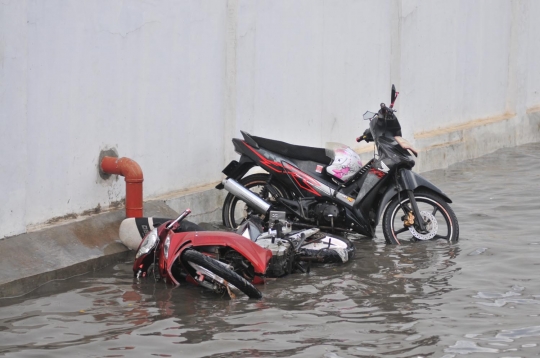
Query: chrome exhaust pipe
x=233, y=187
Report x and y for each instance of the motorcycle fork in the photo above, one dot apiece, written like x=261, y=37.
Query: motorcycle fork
x=418, y=221
x=417, y=217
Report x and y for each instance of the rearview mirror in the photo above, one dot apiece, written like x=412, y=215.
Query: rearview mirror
x=368, y=116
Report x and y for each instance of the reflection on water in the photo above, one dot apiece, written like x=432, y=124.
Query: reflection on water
x=479, y=297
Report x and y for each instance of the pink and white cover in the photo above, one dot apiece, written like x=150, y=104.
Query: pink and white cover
x=345, y=165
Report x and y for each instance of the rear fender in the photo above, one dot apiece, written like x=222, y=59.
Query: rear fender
x=409, y=180
x=237, y=170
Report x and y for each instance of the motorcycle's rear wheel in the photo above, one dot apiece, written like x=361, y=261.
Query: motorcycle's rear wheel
x=441, y=221
x=235, y=210
x=215, y=273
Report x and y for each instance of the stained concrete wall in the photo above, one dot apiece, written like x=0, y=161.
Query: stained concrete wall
x=168, y=83
x=13, y=118
x=146, y=78
x=475, y=85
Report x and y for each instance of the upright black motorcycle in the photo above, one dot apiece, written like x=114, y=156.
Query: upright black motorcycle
x=329, y=188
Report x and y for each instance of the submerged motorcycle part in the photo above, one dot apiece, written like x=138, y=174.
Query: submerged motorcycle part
x=252, y=199
x=430, y=224
x=203, y=273
x=238, y=263
x=327, y=248
x=282, y=254
x=153, y=271
x=301, y=236
x=231, y=294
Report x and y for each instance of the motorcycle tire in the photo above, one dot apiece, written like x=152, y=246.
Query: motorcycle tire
x=440, y=219
x=235, y=210
x=214, y=267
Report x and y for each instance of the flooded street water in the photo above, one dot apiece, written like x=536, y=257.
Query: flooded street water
x=479, y=297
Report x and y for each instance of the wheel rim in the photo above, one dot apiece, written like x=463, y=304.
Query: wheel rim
x=439, y=224
x=239, y=210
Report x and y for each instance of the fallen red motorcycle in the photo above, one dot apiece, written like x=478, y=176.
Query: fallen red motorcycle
x=223, y=262
x=291, y=250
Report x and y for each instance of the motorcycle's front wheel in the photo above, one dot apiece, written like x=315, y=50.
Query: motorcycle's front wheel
x=441, y=221
x=215, y=275
x=235, y=210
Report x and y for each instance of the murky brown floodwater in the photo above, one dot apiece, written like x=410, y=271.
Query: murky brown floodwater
x=479, y=297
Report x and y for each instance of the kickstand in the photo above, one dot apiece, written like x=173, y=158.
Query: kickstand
x=299, y=267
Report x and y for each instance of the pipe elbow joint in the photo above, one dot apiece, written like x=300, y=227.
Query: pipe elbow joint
x=133, y=175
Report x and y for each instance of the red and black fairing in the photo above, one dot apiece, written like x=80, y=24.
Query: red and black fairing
x=211, y=243
x=270, y=154
x=302, y=171
x=303, y=165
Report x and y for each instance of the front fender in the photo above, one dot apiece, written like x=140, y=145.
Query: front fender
x=409, y=180
x=258, y=256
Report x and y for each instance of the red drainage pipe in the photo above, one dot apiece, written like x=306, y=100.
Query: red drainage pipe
x=133, y=175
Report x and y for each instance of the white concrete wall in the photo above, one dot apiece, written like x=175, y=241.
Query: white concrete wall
x=308, y=70
x=459, y=53
x=528, y=33
x=168, y=83
x=13, y=124
x=469, y=77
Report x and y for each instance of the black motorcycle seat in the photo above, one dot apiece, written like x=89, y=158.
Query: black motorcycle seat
x=299, y=152
x=185, y=225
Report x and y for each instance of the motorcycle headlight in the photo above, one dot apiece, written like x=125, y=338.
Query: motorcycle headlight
x=166, y=245
x=149, y=243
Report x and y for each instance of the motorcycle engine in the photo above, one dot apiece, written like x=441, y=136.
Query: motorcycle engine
x=282, y=255
x=326, y=211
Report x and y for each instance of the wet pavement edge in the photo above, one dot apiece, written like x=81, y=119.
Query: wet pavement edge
x=62, y=251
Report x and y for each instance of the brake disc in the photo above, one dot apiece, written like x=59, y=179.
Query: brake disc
x=431, y=226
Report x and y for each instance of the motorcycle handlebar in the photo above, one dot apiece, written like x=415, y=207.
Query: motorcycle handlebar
x=366, y=136
x=180, y=218
x=387, y=109
x=361, y=138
